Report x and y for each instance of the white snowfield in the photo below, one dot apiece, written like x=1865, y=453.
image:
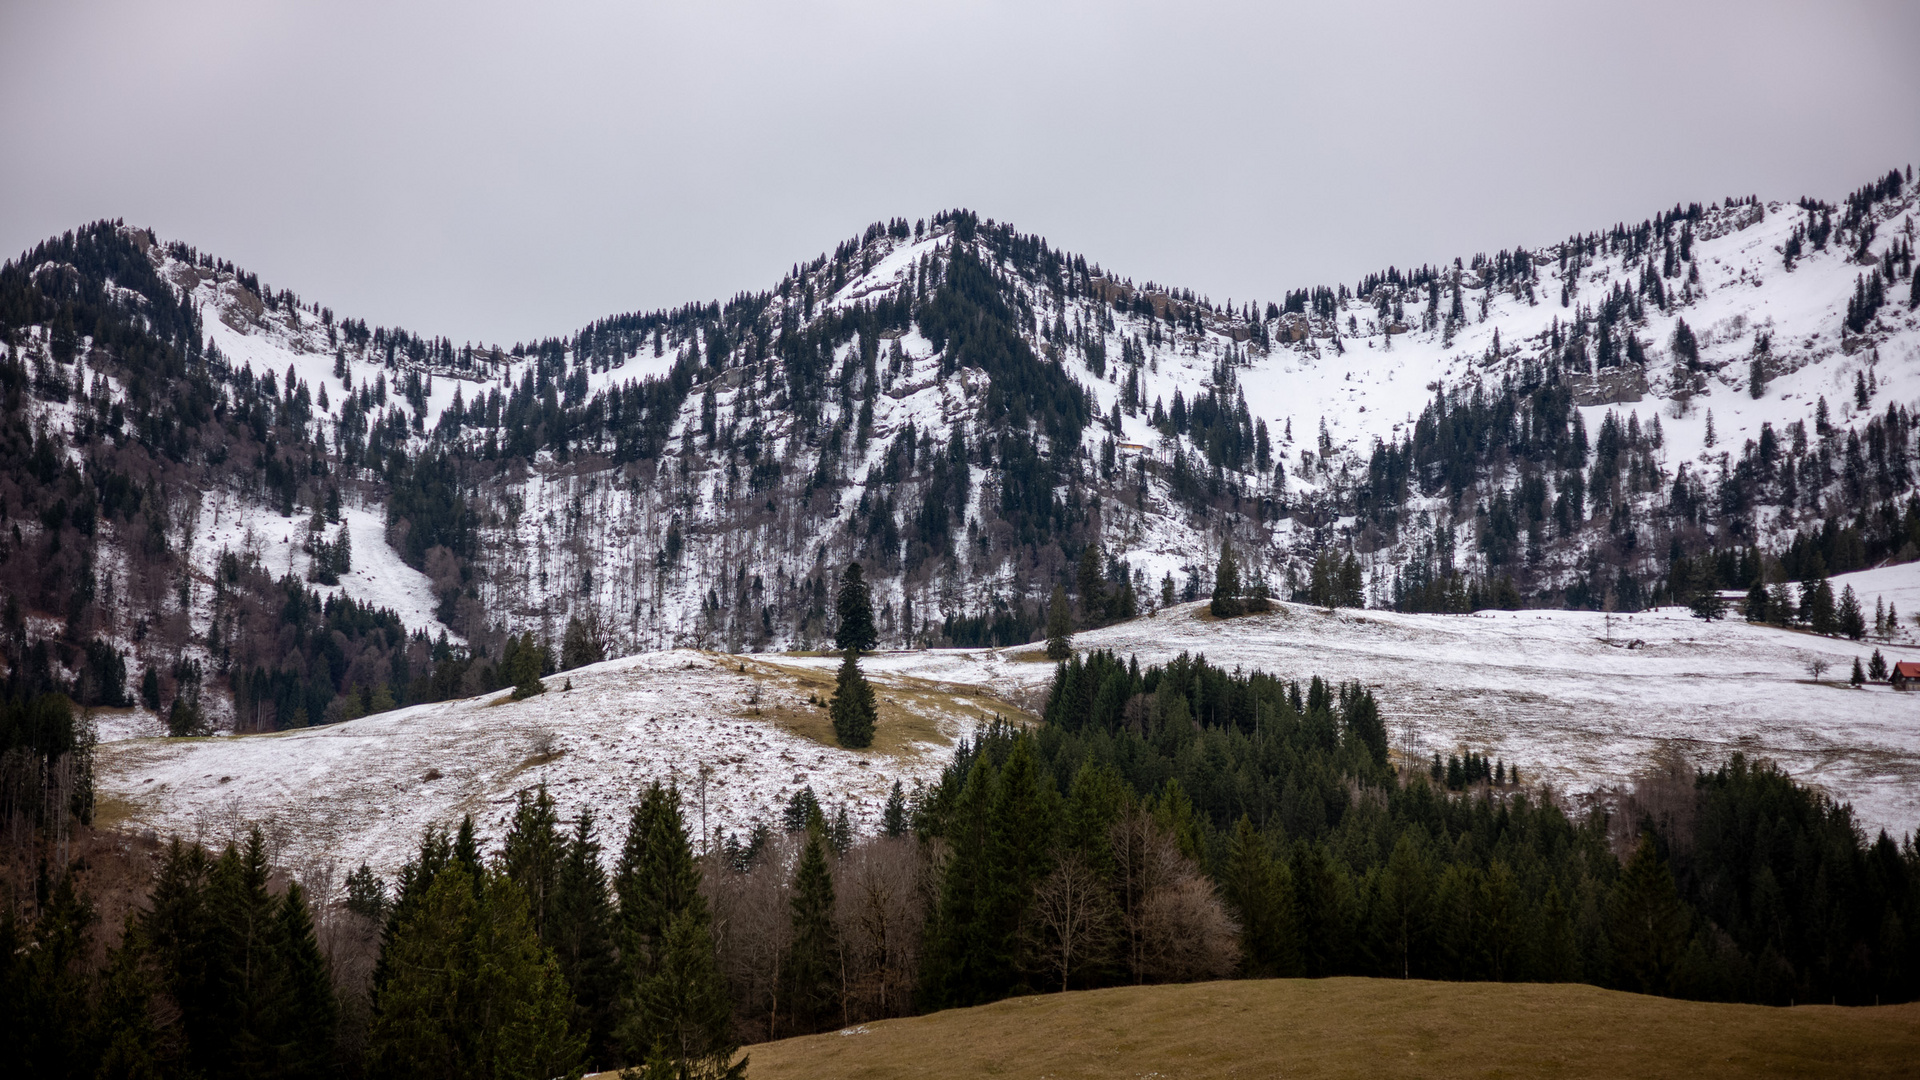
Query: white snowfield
x=1575, y=707
x=379, y=577
x=365, y=789
x=1549, y=691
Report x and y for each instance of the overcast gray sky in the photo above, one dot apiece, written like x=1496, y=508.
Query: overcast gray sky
x=496, y=172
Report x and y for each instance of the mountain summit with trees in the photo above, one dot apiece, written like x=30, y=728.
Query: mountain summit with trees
x=1636, y=415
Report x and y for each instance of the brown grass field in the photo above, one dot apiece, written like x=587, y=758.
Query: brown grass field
x=912, y=711
x=1359, y=1028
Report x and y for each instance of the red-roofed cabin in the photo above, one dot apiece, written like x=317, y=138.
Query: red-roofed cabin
x=1906, y=675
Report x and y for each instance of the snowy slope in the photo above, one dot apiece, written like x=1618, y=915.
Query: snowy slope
x=363, y=790
x=1548, y=691
x=379, y=576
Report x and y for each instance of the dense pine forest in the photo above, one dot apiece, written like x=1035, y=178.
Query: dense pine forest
x=1169, y=824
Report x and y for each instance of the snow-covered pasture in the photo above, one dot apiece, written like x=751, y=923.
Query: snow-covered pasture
x=364, y=790
x=1577, y=706
x=1554, y=692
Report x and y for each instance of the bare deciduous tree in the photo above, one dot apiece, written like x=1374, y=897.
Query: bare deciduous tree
x=752, y=929
x=880, y=908
x=1186, y=933
x=1174, y=925
x=1071, y=922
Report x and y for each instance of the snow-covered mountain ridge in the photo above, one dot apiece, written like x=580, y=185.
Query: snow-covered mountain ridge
x=964, y=409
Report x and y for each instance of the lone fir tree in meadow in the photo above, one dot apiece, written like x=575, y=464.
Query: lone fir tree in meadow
x=853, y=709
x=855, y=610
x=1226, y=585
x=1059, y=626
x=1707, y=603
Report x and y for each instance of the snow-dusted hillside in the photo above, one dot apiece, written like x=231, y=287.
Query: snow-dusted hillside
x=1576, y=704
x=363, y=790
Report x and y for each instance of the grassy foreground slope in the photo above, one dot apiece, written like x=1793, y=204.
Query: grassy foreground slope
x=1359, y=1028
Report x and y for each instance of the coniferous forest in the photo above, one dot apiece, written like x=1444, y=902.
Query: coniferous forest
x=1170, y=824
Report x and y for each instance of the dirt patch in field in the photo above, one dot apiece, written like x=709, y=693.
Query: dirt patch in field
x=914, y=713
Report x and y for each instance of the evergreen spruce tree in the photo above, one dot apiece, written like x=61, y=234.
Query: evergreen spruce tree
x=952, y=972
x=45, y=997
x=466, y=849
x=813, y=959
x=1098, y=797
x=1859, y=675
x=1093, y=597
x=1174, y=812
x=470, y=991
x=1646, y=922
x=580, y=646
x=123, y=1032
x=1059, y=626
x=894, y=821
x=1817, y=607
x=177, y=927
x=840, y=833
x=666, y=947
x=1558, y=955
x=249, y=976
x=1020, y=840
x=1259, y=597
x=654, y=879
x=1226, y=585
x=1848, y=619
x=1707, y=603
x=1322, y=897
x=1877, y=667
x=342, y=552
x=685, y=1005
x=532, y=854
x=854, y=709
x=305, y=1046
x=802, y=810
x=854, y=608
x=1256, y=890
x=522, y=663
x=580, y=932
x=1404, y=903
x=416, y=877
